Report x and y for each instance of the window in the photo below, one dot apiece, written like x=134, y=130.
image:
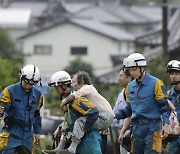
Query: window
x=78, y=50
x=42, y=49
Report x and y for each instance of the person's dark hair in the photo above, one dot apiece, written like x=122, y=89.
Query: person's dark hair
x=84, y=77
x=126, y=72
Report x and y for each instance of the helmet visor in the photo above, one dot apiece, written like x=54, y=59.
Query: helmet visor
x=30, y=81
x=52, y=84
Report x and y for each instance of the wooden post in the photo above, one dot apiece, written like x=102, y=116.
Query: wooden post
x=112, y=141
x=165, y=30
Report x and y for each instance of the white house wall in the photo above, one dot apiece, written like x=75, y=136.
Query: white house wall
x=62, y=38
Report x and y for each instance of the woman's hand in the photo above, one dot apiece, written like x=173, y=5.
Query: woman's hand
x=171, y=106
x=165, y=131
x=120, y=138
x=1, y=111
x=57, y=132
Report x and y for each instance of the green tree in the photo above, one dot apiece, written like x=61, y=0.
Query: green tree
x=79, y=65
x=109, y=91
x=53, y=103
x=7, y=49
x=10, y=60
x=157, y=67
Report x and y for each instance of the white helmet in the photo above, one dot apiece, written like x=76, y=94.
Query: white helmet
x=135, y=59
x=173, y=65
x=60, y=78
x=30, y=74
x=125, y=62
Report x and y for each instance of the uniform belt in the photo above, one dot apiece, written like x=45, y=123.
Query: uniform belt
x=145, y=121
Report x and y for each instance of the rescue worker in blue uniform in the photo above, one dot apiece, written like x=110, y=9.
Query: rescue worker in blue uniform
x=173, y=68
x=90, y=143
x=146, y=99
x=21, y=103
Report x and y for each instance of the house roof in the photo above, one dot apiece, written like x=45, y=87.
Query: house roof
x=14, y=18
x=121, y=14
x=92, y=25
x=98, y=13
x=104, y=29
x=111, y=77
x=58, y=8
x=118, y=58
x=152, y=13
x=107, y=12
x=129, y=15
x=75, y=7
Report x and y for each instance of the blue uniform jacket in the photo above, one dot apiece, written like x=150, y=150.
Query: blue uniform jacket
x=175, y=99
x=24, y=107
x=147, y=99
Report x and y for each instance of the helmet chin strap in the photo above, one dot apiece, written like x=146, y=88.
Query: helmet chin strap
x=141, y=73
x=40, y=82
x=63, y=94
x=175, y=83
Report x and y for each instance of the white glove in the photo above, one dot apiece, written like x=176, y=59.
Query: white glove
x=64, y=101
x=1, y=111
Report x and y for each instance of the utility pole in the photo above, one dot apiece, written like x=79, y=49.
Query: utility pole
x=165, y=30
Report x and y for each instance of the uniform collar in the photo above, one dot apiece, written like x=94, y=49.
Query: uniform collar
x=145, y=81
x=22, y=90
x=173, y=92
x=69, y=92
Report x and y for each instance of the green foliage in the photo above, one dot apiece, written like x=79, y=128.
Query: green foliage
x=157, y=67
x=7, y=72
x=110, y=92
x=45, y=144
x=6, y=45
x=79, y=65
x=10, y=60
x=53, y=102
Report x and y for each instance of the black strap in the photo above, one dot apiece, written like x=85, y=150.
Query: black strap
x=55, y=142
x=124, y=94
